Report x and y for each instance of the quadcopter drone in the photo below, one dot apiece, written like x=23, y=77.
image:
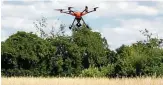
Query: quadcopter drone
x=78, y=15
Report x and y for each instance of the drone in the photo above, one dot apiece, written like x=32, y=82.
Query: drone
x=78, y=15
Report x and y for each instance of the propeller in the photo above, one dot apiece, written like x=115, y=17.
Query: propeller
x=95, y=8
x=69, y=8
x=86, y=8
x=59, y=10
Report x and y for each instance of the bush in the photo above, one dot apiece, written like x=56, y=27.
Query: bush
x=91, y=72
x=107, y=71
x=98, y=72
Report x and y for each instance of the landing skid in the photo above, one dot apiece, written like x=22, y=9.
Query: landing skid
x=78, y=24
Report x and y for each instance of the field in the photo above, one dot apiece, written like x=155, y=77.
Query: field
x=81, y=81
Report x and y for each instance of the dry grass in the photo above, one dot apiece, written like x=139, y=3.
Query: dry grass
x=81, y=81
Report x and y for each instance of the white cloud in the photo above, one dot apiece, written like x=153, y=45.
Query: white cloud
x=128, y=31
x=147, y=10
x=21, y=17
x=122, y=5
x=31, y=11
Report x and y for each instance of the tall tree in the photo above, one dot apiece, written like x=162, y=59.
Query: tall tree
x=24, y=51
x=92, y=45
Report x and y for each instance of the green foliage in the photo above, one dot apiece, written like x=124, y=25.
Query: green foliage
x=91, y=72
x=98, y=72
x=25, y=51
x=85, y=54
x=140, y=59
x=93, y=46
x=66, y=52
x=107, y=70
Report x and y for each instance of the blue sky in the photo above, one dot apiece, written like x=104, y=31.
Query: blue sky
x=118, y=21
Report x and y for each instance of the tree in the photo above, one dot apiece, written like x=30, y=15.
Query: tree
x=141, y=58
x=67, y=58
x=25, y=51
x=92, y=46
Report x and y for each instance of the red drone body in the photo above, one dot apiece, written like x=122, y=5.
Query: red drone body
x=78, y=15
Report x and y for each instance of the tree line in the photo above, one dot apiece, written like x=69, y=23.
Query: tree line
x=83, y=54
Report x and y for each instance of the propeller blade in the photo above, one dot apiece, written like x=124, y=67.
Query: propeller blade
x=59, y=9
x=95, y=8
x=69, y=8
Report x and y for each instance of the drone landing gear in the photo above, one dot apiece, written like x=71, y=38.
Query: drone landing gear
x=78, y=23
x=87, y=26
x=85, y=23
x=72, y=24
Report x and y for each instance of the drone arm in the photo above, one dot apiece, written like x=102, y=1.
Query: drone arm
x=91, y=11
x=87, y=12
x=67, y=12
x=83, y=11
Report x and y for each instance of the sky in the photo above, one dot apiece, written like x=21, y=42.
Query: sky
x=118, y=21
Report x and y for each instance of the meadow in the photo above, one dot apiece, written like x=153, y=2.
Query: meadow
x=80, y=81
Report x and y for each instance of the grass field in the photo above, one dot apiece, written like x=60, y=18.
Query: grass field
x=81, y=81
